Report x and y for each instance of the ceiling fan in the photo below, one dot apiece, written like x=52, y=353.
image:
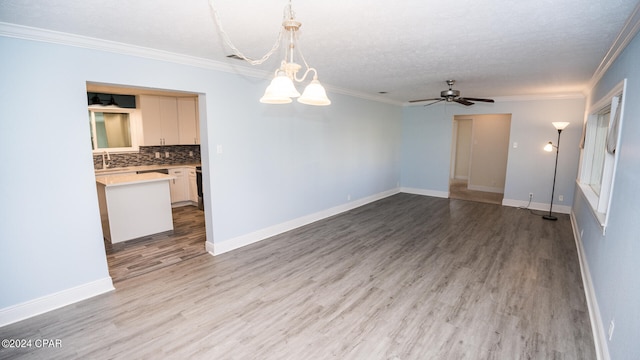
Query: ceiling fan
x=452, y=95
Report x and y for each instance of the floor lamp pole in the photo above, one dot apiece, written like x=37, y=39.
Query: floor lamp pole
x=553, y=189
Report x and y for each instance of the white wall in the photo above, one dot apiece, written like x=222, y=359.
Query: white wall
x=278, y=162
x=426, y=140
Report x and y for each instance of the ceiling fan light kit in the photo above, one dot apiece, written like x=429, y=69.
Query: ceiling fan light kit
x=281, y=90
x=453, y=96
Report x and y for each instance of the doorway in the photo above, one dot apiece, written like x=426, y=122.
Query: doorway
x=479, y=152
x=187, y=240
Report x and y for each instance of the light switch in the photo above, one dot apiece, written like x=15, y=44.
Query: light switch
x=219, y=149
x=515, y=145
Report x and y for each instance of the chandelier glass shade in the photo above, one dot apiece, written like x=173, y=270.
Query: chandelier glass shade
x=314, y=94
x=280, y=90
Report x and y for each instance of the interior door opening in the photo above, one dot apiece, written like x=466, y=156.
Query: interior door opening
x=480, y=145
x=182, y=159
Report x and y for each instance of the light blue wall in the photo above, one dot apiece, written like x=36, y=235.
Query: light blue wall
x=277, y=164
x=427, y=137
x=614, y=259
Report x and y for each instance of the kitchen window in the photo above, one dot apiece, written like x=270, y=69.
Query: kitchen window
x=114, y=130
x=599, y=157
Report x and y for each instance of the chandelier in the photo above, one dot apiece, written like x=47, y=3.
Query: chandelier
x=281, y=90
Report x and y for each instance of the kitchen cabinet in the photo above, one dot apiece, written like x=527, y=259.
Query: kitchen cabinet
x=168, y=120
x=193, y=185
x=159, y=120
x=179, y=185
x=188, y=121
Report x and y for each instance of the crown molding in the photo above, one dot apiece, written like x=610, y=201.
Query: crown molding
x=628, y=32
x=61, y=38
x=539, y=97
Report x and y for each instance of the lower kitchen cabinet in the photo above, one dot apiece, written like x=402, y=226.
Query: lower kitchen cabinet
x=184, y=188
x=179, y=185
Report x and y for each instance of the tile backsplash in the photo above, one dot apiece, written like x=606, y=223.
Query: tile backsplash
x=178, y=154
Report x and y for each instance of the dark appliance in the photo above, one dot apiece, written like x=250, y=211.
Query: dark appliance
x=199, y=183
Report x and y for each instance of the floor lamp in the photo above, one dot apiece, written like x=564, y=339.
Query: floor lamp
x=549, y=147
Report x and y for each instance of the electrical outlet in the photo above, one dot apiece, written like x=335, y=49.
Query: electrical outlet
x=530, y=196
x=561, y=198
x=349, y=197
x=157, y=155
x=166, y=154
x=191, y=153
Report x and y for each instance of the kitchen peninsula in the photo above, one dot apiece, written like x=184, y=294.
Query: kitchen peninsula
x=134, y=205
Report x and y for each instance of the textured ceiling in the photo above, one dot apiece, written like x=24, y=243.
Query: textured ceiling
x=405, y=48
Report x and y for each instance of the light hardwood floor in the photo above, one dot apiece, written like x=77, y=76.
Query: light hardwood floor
x=406, y=277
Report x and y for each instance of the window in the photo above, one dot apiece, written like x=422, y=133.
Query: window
x=599, y=157
x=113, y=129
x=599, y=128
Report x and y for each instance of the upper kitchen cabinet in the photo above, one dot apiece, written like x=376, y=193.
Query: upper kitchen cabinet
x=188, y=121
x=159, y=120
x=168, y=120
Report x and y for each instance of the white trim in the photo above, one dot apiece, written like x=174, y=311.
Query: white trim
x=85, y=42
x=597, y=328
x=538, y=97
x=561, y=209
x=54, y=301
x=626, y=34
x=247, y=239
x=434, y=193
x=601, y=204
x=56, y=37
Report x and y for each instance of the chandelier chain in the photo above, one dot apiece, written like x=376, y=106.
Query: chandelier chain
x=234, y=49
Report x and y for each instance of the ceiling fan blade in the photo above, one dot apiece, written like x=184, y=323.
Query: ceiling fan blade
x=463, y=101
x=434, y=99
x=435, y=102
x=475, y=99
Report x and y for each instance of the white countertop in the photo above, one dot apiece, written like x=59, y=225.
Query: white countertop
x=127, y=179
x=116, y=170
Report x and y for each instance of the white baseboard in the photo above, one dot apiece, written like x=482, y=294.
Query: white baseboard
x=15, y=313
x=434, y=193
x=243, y=240
x=562, y=209
x=599, y=334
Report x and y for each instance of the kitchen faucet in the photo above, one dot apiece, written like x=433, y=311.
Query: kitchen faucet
x=106, y=164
